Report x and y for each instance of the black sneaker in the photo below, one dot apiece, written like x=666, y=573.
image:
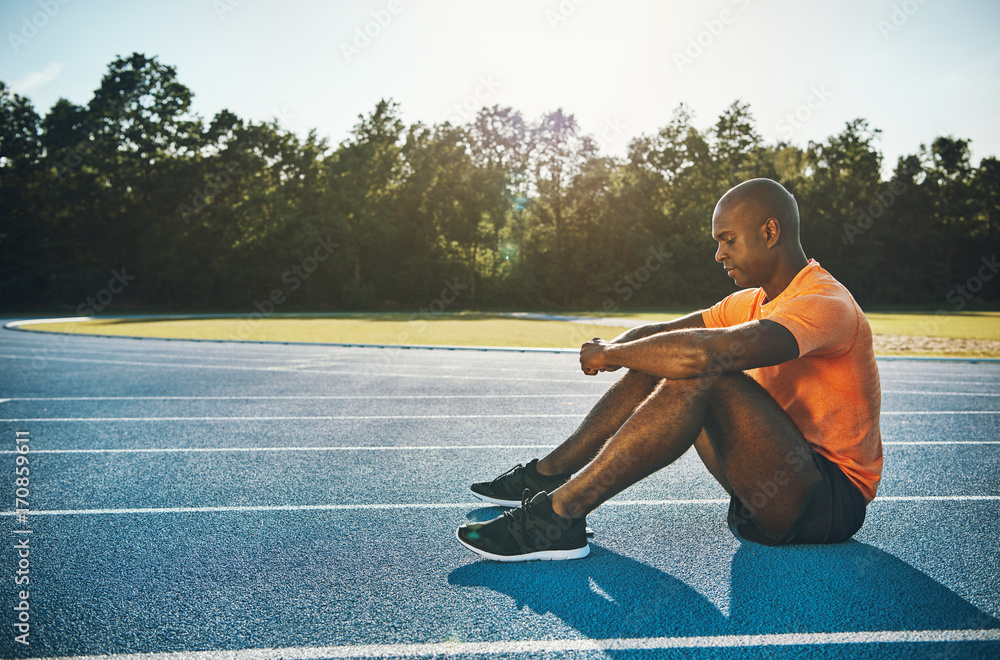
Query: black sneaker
x=506, y=490
x=531, y=531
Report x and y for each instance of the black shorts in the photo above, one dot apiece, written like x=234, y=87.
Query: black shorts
x=833, y=510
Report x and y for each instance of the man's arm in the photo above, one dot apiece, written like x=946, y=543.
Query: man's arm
x=693, y=320
x=694, y=351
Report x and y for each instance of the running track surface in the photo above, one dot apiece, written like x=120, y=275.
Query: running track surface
x=238, y=500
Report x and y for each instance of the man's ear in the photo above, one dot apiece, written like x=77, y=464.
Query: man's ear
x=772, y=232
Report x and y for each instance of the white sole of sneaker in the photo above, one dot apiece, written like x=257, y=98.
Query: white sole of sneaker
x=542, y=555
x=492, y=500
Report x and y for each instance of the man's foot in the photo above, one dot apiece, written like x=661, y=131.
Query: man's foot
x=507, y=489
x=531, y=531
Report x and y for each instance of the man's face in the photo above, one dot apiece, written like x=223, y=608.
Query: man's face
x=742, y=246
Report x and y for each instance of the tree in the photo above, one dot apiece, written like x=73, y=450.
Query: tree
x=21, y=200
x=367, y=171
x=840, y=208
x=559, y=154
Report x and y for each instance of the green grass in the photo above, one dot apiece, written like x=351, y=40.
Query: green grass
x=468, y=329
x=962, y=325
x=472, y=328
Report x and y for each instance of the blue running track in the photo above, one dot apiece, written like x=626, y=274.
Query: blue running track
x=236, y=500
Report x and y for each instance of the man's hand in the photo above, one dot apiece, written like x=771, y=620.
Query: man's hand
x=592, y=357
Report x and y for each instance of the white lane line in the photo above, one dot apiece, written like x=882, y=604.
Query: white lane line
x=940, y=442
x=936, y=498
x=879, y=498
x=294, y=397
x=942, y=412
x=376, y=371
x=43, y=354
x=327, y=418
x=197, y=450
x=357, y=417
x=561, y=646
x=440, y=505
x=364, y=397
x=952, y=383
x=299, y=369
x=279, y=359
x=247, y=509
x=941, y=393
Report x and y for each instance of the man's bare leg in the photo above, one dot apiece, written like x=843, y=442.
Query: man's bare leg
x=751, y=438
x=602, y=422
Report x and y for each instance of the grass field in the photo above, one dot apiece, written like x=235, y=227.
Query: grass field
x=463, y=329
x=470, y=328
x=963, y=325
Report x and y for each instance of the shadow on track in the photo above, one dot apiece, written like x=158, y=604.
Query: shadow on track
x=841, y=588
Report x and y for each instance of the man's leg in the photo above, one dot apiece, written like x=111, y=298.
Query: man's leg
x=547, y=474
x=602, y=422
x=706, y=452
x=752, y=439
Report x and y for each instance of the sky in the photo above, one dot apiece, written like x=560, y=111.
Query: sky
x=915, y=69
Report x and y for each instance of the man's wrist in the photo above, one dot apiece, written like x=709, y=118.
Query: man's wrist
x=609, y=353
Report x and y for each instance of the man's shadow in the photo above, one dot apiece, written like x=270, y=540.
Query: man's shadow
x=847, y=587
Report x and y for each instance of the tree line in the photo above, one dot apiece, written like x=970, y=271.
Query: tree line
x=132, y=202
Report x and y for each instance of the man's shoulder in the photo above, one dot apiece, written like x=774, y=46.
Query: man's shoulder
x=814, y=280
x=738, y=307
x=743, y=296
x=821, y=312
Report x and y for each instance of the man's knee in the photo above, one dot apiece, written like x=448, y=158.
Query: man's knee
x=732, y=379
x=642, y=378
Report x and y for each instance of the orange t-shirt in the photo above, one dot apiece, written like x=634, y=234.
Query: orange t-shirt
x=832, y=390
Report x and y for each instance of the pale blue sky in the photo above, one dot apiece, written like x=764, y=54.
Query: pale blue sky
x=914, y=69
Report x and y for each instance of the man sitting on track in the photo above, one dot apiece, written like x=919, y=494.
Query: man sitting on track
x=776, y=387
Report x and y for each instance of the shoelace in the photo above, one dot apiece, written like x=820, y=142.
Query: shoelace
x=521, y=514
x=508, y=472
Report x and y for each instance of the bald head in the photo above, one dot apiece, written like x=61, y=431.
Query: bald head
x=756, y=225
x=757, y=200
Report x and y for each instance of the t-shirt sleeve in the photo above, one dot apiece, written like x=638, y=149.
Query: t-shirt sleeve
x=732, y=310
x=822, y=322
